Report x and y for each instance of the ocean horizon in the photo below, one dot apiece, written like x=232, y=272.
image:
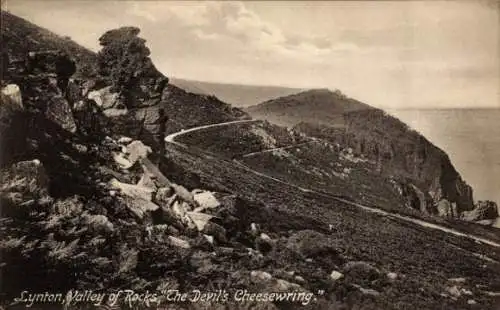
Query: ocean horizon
x=470, y=137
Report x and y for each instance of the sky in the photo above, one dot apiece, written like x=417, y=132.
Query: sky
x=394, y=54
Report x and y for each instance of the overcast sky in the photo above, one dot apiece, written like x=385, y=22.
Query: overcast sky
x=388, y=54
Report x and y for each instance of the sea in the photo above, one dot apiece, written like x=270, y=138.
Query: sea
x=471, y=138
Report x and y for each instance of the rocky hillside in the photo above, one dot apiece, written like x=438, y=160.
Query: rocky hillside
x=20, y=36
x=91, y=201
x=175, y=101
x=424, y=175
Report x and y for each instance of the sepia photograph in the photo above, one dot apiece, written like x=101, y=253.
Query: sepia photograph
x=275, y=155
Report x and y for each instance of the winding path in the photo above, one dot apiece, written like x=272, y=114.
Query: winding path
x=278, y=148
x=171, y=139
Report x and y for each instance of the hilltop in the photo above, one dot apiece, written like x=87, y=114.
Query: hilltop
x=316, y=106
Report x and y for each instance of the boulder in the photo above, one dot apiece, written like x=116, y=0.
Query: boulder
x=179, y=211
x=120, y=159
x=177, y=242
x=105, y=98
x=444, y=208
x=300, y=279
x=335, y=275
x=59, y=112
x=140, y=207
x=137, y=150
x=98, y=222
x=264, y=243
x=361, y=270
x=11, y=95
x=367, y=291
x=163, y=195
x=217, y=231
x=149, y=115
x=125, y=140
x=202, y=262
x=133, y=191
x=209, y=238
x=113, y=112
x=486, y=222
x=199, y=219
x=392, y=276
x=280, y=285
x=460, y=280
x=13, y=125
x=272, y=284
x=258, y=276
x=184, y=194
x=205, y=200
x=483, y=210
x=309, y=243
x=453, y=291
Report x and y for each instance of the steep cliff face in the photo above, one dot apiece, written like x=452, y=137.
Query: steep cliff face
x=423, y=172
x=407, y=156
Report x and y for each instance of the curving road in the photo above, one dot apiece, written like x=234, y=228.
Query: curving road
x=170, y=139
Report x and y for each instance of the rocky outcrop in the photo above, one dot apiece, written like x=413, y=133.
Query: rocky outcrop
x=59, y=112
x=446, y=208
x=11, y=96
x=398, y=152
x=415, y=198
x=483, y=210
x=13, y=131
x=124, y=61
x=405, y=153
x=104, y=98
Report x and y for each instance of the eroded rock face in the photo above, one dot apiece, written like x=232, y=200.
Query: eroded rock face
x=13, y=129
x=445, y=208
x=104, y=98
x=415, y=198
x=59, y=112
x=11, y=96
x=124, y=61
x=484, y=210
x=401, y=153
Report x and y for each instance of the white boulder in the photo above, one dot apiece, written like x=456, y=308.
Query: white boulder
x=205, y=200
x=12, y=94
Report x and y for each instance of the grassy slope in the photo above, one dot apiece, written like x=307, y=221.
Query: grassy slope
x=424, y=259
x=20, y=36
x=315, y=166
